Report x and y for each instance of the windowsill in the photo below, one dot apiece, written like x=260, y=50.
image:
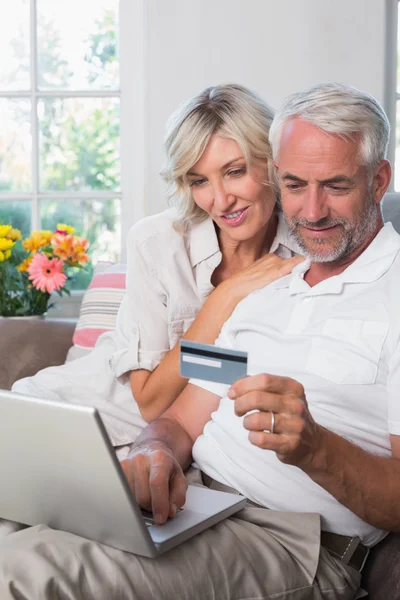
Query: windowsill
x=66, y=307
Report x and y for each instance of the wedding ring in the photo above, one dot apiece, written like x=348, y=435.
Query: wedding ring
x=272, y=422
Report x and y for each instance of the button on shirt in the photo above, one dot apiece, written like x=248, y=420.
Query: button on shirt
x=340, y=339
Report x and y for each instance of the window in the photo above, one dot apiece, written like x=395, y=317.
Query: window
x=392, y=87
x=62, y=153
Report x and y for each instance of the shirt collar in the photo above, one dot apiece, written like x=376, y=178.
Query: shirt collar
x=368, y=267
x=283, y=237
x=204, y=240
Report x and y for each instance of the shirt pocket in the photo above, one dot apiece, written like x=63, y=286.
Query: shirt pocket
x=348, y=351
x=177, y=328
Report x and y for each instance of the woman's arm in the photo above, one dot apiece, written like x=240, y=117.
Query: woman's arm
x=155, y=391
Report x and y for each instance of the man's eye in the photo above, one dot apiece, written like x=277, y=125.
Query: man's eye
x=336, y=188
x=197, y=182
x=293, y=186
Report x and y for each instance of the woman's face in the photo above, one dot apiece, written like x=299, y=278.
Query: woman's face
x=236, y=199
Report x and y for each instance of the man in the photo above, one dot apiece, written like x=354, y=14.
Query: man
x=312, y=434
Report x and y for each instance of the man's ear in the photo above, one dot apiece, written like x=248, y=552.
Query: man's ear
x=381, y=181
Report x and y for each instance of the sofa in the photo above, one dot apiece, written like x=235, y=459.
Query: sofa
x=34, y=344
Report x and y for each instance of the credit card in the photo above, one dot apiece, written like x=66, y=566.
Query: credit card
x=210, y=363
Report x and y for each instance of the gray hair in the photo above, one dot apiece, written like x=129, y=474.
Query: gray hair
x=231, y=111
x=340, y=109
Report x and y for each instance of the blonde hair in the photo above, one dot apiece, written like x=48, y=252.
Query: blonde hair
x=231, y=111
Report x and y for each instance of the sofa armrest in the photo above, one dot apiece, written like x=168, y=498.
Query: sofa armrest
x=381, y=574
x=29, y=345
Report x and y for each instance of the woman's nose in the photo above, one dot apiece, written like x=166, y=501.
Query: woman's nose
x=223, y=200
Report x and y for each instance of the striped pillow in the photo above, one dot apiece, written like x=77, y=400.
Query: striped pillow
x=100, y=304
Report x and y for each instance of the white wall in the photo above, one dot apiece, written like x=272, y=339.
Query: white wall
x=275, y=47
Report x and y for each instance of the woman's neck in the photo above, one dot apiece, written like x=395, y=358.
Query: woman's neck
x=245, y=252
x=237, y=256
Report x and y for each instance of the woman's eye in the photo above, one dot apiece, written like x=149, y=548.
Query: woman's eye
x=197, y=182
x=237, y=172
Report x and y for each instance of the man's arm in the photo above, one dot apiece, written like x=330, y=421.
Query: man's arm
x=368, y=485
x=154, y=467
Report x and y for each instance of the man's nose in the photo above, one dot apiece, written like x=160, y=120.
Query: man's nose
x=314, y=205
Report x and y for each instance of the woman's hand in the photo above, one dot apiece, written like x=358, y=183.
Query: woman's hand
x=263, y=271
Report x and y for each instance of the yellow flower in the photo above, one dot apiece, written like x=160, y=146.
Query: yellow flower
x=62, y=227
x=5, y=255
x=4, y=230
x=5, y=244
x=23, y=267
x=38, y=239
x=14, y=235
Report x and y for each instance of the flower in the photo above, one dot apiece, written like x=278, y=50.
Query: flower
x=5, y=255
x=46, y=273
x=6, y=244
x=4, y=230
x=32, y=269
x=23, y=267
x=80, y=249
x=70, y=248
x=38, y=239
x=64, y=229
x=14, y=235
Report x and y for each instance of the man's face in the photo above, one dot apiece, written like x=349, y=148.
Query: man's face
x=328, y=198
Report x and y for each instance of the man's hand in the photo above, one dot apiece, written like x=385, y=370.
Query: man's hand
x=296, y=437
x=156, y=479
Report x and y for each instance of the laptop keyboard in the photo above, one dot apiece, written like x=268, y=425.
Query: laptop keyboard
x=148, y=516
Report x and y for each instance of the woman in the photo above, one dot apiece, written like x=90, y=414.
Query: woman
x=219, y=173
x=187, y=267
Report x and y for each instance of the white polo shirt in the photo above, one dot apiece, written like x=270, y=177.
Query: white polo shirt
x=340, y=339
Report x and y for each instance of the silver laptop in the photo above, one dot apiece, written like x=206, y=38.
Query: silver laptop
x=58, y=467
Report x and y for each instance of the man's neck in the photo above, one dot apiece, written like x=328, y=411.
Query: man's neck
x=320, y=271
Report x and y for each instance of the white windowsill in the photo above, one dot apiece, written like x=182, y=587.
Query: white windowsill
x=66, y=307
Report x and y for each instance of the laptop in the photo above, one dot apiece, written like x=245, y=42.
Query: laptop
x=59, y=468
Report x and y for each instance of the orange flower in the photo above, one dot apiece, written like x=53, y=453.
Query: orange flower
x=80, y=250
x=70, y=248
x=23, y=267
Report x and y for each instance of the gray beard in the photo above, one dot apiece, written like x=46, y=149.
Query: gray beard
x=353, y=234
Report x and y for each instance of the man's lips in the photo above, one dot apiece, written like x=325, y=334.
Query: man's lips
x=319, y=231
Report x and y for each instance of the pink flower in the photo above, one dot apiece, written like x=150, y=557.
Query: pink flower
x=46, y=274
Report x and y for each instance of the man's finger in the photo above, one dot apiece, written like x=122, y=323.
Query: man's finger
x=258, y=400
x=160, y=473
x=177, y=492
x=139, y=479
x=265, y=382
x=262, y=421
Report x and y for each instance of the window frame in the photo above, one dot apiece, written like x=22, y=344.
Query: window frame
x=131, y=93
x=391, y=96
x=132, y=121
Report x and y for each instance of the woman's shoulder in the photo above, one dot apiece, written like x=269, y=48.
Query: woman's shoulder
x=160, y=226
